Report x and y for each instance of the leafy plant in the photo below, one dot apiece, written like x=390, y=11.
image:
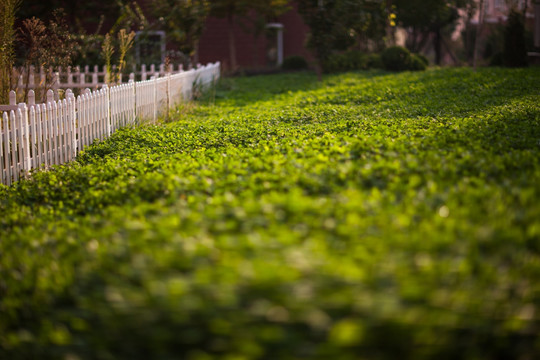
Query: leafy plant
x=125, y=42
x=337, y=26
x=49, y=46
x=369, y=215
x=184, y=22
x=515, y=50
x=296, y=62
x=8, y=9
x=396, y=58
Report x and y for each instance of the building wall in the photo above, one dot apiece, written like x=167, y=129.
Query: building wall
x=251, y=52
x=496, y=11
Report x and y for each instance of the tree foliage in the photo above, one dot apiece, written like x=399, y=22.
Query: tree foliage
x=79, y=15
x=428, y=17
x=341, y=24
x=183, y=20
x=259, y=12
x=47, y=45
x=515, y=50
x=8, y=9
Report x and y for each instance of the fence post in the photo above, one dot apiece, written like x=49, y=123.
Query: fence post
x=134, y=97
x=42, y=77
x=12, y=98
x=31, y=97
x=82, y=79
x=22, y=116
x=168, y=94
x=154, y=81
x=3, y=169
x=71, y=118
x=50, y=96
x=56, y=82
x=108, y=102
x=31, y=81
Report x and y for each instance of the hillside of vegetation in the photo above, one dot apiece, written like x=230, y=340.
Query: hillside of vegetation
x=368, y=216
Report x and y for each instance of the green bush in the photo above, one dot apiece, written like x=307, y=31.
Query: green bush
x=350, y=61
x=515, y=51
x=346, y=61
x=396, y=58
x=295, y=62
x=422, y=57
x=496, y=59
x=334, y=63
x=416, y=63
x=374, y=61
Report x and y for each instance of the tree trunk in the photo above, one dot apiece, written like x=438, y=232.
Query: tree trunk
x=478, y=31
x=449, y=51
x=196, y=52
x=437, y=45
x=232, y=43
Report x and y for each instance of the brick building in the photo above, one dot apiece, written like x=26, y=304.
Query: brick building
x=254, y=53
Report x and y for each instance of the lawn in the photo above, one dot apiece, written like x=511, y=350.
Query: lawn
x=368, y=216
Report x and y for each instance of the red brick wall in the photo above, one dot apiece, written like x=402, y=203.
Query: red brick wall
x=251, y=52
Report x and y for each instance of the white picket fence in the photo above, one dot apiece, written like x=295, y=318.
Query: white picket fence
x=34, y=136
x=86, y=77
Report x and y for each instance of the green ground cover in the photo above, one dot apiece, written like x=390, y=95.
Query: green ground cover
x=368, y=216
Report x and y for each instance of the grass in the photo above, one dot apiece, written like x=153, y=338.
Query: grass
x=370, y=215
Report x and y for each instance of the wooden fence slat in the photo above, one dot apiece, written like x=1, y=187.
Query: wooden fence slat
x=33, y=137
x=54, y=131
x=2, y=169
x=20, y=141
x=92, y=118
x=62, y=135
x=6, y=174
x=13, y=141
x=84, y=132
x=87, y=120
x=50, y=134
x=24, y=139
x=73, y=125
x=81, y=119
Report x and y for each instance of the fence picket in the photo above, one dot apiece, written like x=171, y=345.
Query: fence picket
x=39, y=137
x=13, y=141
x=24, y=141
x=4, y=140
x=61, y=131
x=33, y=138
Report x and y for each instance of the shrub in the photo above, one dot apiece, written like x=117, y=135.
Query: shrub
x=396, y=58
x=496, y=59
x=334, y=63
x=295, y=62
x=347, y=61
x=423, y=57
x=374, y=61
x=515, y=52
x=417, y=63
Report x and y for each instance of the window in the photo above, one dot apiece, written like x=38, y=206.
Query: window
x=150, y=47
